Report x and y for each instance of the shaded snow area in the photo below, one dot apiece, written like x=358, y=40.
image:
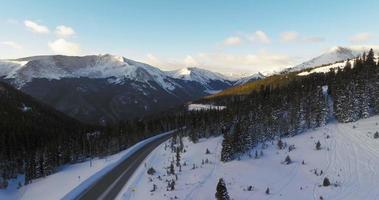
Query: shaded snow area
x=348, y=157
x=70, y=180
x=197, y=107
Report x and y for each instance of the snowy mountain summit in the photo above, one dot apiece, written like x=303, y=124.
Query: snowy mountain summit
x=213, y=81
x=335, y=54
x=122, y=88
x=115, y=68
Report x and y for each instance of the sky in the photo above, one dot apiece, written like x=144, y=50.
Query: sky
x=226, y=36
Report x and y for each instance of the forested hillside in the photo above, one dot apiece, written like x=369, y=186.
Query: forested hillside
x=36, y=139
x=304, y=103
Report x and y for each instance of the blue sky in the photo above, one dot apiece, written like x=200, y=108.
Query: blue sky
x=227, y=36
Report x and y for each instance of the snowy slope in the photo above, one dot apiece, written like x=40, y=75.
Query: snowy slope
x=327, y=68
x=197, y=107
x=101, y=66
x=197, y=74
x=205, y=77
x=349, y=157
x=335, y=54
x=334, y=67
x=70, y=180
x=250, y=78
x=107, y=88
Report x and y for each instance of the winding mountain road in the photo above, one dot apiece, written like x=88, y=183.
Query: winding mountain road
x=110, y=185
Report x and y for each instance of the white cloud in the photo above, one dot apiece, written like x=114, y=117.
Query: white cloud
x=314, y=39
x=153, y=60
x=365, y=47
x=227, y=63
x=289, y=36
x=295, y=37
x=189, y=61
x=64, y=31
x=233, y=40
x=261, y=61
x=362, y=37
x=12, y=44
x=35, y=27
x=61, y=46
x=260, y=37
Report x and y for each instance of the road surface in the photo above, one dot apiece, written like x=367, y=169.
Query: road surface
x=110, y=185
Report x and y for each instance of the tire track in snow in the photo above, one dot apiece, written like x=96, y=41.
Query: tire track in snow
x=200, y=184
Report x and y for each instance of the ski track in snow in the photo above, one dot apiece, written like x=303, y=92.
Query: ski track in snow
x=217, y=156
x=349, y=157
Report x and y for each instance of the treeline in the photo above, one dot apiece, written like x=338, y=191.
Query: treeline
x=307, y=102
x=355, y=89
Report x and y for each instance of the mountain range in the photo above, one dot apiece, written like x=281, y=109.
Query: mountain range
x=107, y=88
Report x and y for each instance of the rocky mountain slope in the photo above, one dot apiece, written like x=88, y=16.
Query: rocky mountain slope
x=107, y=88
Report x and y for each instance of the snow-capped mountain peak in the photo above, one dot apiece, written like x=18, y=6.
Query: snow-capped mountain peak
x=253, y=77
x=335, y=54
x=197, y=74
x=116, y=68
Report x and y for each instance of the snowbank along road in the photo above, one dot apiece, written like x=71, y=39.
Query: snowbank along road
x=111, y=184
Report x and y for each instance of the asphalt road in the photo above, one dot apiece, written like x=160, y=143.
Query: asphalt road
x=111, y=184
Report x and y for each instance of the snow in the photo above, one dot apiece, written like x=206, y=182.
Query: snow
x=197, y=107
x=117, y=68
x=246, y=79
x=349, y=157
x=326, y=68
x=335, y=54
x=70, y=180
x=334, y=66
x=25, y=108
x=196, y=74
x=202, y=76
x=9, y=68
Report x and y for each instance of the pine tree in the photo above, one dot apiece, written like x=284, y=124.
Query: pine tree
x=326, y=182
x=207, y=151
x=221, y=191
x=172, y=169
x=370, y=58
x=280, y=144
x=177, y=157
x=318, y=145
x=376, y=135
x=288, y=160
x=227, y=149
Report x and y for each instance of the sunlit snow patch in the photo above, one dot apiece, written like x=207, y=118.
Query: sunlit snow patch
x=197, y=107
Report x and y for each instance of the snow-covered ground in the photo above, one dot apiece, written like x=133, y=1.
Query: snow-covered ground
x=326, y=68
x=70, y=180
x=349, y=157
x=197, y=107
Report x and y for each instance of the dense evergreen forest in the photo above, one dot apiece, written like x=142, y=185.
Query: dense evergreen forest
x=36, y=139
x=275, y=111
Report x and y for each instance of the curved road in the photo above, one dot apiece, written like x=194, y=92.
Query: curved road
x=111, y=184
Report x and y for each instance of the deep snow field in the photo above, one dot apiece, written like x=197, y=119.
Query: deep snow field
x=349, y=157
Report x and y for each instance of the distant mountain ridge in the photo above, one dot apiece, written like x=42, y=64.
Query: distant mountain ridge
x=108, y=88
